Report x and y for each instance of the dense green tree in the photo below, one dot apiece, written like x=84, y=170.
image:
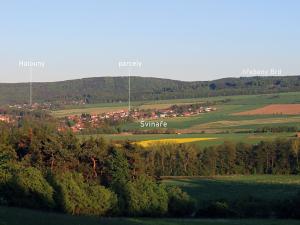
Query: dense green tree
x=75, y=196
x=209, y=158
x=92, y=154
x=146, y=198
x=117, y=169
x=29, y=188
x=245, y=162
x=180, y=203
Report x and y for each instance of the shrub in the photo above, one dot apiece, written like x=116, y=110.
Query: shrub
x=8, y=166
x=5, y=178
x=146, y=198
x=76, y=197
x=7, y=155
x=28, y=188
x=180, y=203
x=102, y=201
x=218, y=209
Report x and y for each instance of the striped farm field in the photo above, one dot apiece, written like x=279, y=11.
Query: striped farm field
x=234, y=123
x=283, y=109
x=148, y=143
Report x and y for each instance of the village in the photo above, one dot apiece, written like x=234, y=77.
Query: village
x=78, y=123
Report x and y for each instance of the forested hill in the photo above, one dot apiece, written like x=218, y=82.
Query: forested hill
x=115, y=89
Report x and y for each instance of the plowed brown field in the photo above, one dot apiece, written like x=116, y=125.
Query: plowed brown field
x=284, y=109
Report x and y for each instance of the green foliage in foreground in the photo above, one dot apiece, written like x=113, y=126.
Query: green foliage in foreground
x=17, y=216
x=45, y=169
x=28, y=188
x=144, y=197
x=76, y=197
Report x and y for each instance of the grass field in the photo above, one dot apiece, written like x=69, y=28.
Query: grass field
x=266, y=187
x=16, y=216
x=209, y=121
x=241, y=123
x=259, y=100
x=206, y=139
x=225, y=114
x=224, y=120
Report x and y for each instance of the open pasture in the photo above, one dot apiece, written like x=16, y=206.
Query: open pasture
x=238, y=123
x=266, y=187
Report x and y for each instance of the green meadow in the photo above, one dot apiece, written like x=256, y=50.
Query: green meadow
x=266, y=187
x=17, y=216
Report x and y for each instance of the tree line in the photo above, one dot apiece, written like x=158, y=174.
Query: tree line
x=280, y=156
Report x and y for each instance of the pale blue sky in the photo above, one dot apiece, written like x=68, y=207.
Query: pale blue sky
x=185, y=40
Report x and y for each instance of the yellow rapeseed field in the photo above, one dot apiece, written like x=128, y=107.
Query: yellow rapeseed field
x=171, y=141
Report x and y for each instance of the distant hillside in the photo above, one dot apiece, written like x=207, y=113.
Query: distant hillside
x=115, y=89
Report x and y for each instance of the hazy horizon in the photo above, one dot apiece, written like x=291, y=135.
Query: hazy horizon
x=180, y=40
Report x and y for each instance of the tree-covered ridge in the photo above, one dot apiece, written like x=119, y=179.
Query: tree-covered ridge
x=115, y=89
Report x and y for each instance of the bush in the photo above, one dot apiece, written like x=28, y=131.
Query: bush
x=76, y=197
x=180, y=203
x=146, y=198
x=102, y=201
x=8, y=166
x=28, y=188
x=5, y=178
x=7, y=155
x=218, y=209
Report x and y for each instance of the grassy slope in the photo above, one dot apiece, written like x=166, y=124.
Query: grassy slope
x=16, y=216
x=267, y=187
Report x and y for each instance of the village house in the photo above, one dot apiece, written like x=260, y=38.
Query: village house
x=5, y=118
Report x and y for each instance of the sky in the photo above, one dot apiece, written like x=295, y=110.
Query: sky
x=184, y=40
